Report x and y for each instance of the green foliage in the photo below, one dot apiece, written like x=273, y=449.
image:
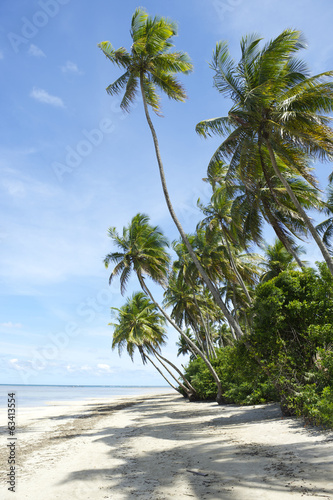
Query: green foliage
x=243, y=381
x=151, y=65
x=293, y=336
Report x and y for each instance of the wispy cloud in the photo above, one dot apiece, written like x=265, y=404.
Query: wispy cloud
x=71, y=67
x=42, y=95
x=15, y=189
x=100, y=369
x=9, y=324
x=35, y=51
x=104, y=368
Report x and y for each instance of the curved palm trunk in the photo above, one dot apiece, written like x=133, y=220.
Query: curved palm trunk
x=198, y=337
x=214, y=355
x=202, y=272
x=281, y=235
x=190, y=393
x=208, y=336
x=161, y=373
x=219, y=398
x=299, y=207
x=271, y=218
x=234, y=267
x=159, y=356
x=196, y=332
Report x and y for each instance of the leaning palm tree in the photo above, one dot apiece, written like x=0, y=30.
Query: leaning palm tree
x=142, y=249
x=279, y=110
x=140, y=326
x=149, y=67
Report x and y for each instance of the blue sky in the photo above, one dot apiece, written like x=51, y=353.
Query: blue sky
x=72, y=165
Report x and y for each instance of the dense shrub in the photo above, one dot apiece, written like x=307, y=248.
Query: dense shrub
x=242, y=379
x=292, y=335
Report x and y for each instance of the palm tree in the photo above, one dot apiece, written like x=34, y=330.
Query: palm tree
x=219, y=218
x=279, y=110
x=272, y=204
x=150, y=66
x=140, y=326
x=190, y=305
x=277, y=260
x=184, y=348
x=247, y=206
x=143, y=250
x=326, y=227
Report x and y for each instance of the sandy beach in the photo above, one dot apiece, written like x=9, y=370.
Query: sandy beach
x=162, y=447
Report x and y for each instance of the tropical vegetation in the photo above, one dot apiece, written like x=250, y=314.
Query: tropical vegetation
x=255, y=319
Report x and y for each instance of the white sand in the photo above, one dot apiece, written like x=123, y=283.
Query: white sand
x=145, y=447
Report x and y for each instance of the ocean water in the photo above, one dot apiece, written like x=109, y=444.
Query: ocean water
x=39, y=395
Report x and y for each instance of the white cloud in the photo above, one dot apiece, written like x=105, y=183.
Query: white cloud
x=15, y=189
x=42, y=95
x=104, y=368
x=17, y=184
x=100, y=369
x=70, y=368
x=35, y=51
x=71, y=67
x=9, y=324
x=25, y=366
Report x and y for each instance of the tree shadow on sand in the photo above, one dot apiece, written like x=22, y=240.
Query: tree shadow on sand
x=195, y=440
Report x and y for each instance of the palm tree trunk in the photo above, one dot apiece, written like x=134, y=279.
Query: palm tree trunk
x=271, y=218
x=190, y=392
x=233, y=265
x=212, y=350
x=159, y=356
x=210, y=340
x=219, y=398
x=161, y=373
x=279, y=233
x=299, y=207
x=202, y=272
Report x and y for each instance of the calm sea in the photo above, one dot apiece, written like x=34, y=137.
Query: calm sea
x=40, y=395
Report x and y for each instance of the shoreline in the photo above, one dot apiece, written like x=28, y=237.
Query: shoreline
x=160, y=446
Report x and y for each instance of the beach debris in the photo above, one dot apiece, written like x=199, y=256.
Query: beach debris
x=197, y=473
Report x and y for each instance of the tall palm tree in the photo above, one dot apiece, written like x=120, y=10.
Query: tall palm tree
x=150, y=66
x=143, y=250
x=278, y=109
